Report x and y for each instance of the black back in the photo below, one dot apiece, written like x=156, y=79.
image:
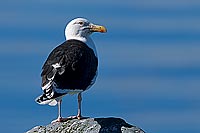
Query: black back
x=78, y=66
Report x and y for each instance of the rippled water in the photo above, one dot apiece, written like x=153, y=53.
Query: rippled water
x=149, y=71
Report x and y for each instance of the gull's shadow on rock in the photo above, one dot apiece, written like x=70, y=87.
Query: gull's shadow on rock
x=111, y=125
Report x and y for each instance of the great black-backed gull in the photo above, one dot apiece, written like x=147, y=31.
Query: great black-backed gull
x=71, y=67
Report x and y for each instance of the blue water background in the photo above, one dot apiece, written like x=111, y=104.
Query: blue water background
x=149, y=62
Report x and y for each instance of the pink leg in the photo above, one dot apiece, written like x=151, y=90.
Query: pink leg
x=79, y=116
x=59, y=109
x=60, y=119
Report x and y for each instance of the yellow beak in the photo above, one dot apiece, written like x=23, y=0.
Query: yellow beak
x=97, y=28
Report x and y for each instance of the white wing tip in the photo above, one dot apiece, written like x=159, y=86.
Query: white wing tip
x=51, y=102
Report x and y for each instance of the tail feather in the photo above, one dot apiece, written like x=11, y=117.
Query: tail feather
x=42, y=99
x=49, y=97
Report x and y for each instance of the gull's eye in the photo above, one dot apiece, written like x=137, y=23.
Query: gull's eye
x=81, y=23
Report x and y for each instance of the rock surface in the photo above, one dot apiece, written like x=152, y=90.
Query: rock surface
x=89, y=125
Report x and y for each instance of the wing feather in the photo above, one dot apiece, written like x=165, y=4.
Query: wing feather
x=71, y=65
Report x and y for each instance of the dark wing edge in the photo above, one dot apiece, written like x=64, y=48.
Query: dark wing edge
x=53, y=65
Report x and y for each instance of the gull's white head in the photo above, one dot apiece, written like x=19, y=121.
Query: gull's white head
x=80, y=29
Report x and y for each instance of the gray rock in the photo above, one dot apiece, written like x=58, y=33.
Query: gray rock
x=88, y=125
